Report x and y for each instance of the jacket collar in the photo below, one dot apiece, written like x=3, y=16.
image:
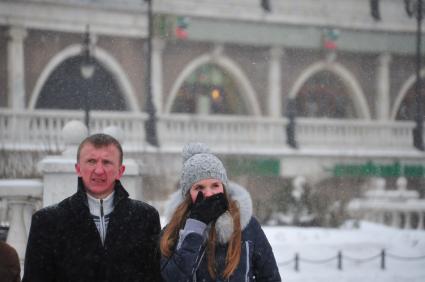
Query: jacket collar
x=81, y=197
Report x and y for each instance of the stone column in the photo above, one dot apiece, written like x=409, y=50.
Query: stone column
x=59, y=176
x=16, y=67
x=17, y=235
x=157, y=49
x=380, y=217
x=275, y=82
x=383, y=87
x=420, y=220
x=407, y=220
x=395, y=219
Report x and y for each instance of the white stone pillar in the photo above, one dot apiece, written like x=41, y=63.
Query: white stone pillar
x=395, y=219
x=380, y=217
x=59, y=176
x=420, y=220
x=3, y=210
x=383, y=87
x=275, y=82
x=17, y=235
x=157, y=49
x=16, y=67
x=407, y=220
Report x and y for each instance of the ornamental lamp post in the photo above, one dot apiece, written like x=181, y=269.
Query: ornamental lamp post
x=87, y=70
x=150, y=123
x=291, y=111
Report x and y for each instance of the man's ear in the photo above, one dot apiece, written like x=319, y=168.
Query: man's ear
x=121, y=171
x=77, y=169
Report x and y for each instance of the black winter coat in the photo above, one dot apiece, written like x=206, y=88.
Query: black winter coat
x=64, y=243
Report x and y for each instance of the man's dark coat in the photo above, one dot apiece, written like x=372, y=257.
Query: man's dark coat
x=64, y=243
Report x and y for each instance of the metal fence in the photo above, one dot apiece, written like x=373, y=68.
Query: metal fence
x=339, y=259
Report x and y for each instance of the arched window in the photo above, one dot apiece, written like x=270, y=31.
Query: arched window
x=407, y=109
x=67, y=89
x=324, y=95
x=209, y=90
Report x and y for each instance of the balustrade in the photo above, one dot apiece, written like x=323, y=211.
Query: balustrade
x=354, y=133
x=400, y=208
x=41, y=130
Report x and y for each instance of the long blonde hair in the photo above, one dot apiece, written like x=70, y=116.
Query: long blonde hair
x=171, y=235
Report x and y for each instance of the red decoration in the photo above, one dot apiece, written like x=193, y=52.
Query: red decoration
x=181, y=33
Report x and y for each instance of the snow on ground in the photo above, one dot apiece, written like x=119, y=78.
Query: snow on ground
x=364, y=242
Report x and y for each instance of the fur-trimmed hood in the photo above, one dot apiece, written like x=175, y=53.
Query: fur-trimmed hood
x=224, y=224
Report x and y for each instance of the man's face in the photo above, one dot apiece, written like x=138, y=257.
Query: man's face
x=99, y=168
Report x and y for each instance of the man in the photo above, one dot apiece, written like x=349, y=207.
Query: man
x=97, y=234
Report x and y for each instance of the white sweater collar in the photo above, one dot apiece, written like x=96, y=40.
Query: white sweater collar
x=107, y=203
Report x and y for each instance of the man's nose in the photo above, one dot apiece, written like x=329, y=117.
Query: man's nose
x=99, y=168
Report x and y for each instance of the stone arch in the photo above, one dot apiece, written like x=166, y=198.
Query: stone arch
x=403, y=91
x=247, y=91
x=353, y=87
x=102, y=56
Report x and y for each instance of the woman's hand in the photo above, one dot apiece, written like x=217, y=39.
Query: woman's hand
x=209, y=209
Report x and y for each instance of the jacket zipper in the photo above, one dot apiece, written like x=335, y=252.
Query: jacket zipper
x=247, y=261
x=102, y=223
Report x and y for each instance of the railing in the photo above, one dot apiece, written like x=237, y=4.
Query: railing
x=354, y=133
x=34, y=130
x=380, y=258
x=222, y=132
x=42, y=130
x=400, y=208
x=408, y=214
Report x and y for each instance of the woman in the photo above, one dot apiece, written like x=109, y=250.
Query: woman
x=212, y=235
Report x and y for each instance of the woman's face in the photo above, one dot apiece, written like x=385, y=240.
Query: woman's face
x=208, y=187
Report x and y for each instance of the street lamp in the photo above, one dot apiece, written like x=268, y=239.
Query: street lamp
x=87, y=71
x=291, y=111
x=150, y=124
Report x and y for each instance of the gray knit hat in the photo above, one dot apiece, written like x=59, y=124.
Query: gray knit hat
x=198, y=164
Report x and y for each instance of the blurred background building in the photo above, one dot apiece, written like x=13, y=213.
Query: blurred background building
x=307, y=102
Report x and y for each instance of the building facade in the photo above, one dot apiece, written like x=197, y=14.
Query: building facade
x=317, y=88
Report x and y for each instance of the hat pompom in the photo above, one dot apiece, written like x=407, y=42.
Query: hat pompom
x=192, y=149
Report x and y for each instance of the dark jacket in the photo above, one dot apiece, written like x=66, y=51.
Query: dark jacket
x=64, y=244
x=10, y=268
x=257, y=262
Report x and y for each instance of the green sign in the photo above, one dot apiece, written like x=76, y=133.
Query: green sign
x=264, y=167
x=381, y=170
